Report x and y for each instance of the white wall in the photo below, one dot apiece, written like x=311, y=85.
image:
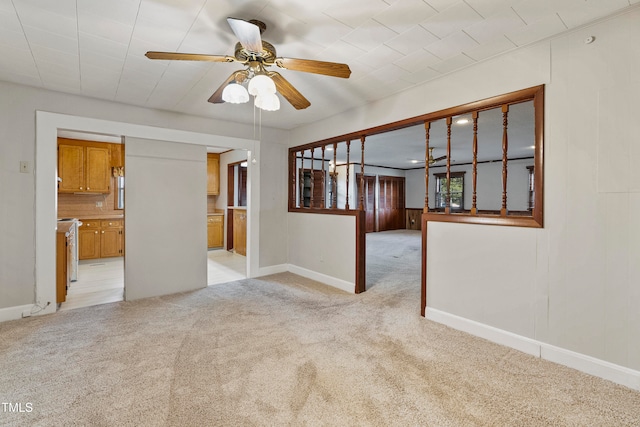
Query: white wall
x=165, y=219
x=573, y=284
x=318, y=246
x=18, y=105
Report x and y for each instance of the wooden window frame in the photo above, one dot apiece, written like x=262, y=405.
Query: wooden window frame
x=441, y=175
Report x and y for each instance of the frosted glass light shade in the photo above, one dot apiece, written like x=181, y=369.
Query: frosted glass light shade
x=235, y=94
x=267, y=101
x=261, y=84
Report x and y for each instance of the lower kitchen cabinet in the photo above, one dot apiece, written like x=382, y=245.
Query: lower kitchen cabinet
x=215, y=231
x=101, y=238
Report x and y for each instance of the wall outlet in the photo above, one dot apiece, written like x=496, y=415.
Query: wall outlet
x=24, y=167
x=98, y=204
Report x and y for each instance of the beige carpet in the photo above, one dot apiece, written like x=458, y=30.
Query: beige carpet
x=286, y=351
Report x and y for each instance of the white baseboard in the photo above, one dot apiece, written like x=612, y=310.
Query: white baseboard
x=587, y=364
x=323, y=278
x=13, y=313
x=272, y=269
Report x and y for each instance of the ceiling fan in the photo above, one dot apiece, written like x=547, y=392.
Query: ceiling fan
x=256, y=54
x=433, y=160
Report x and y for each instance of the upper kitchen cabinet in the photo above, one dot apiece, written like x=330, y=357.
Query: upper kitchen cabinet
x=83, y=166
x=213, y=174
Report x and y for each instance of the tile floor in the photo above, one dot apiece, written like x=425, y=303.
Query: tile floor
x=101, y=281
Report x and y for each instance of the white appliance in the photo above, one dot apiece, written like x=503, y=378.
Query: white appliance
x=73, y=244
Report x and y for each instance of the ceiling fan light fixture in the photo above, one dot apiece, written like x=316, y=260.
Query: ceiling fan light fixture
x=235, y=94
x=261, y=84
x=267, y=101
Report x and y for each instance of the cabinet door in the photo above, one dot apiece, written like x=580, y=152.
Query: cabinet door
x=70, y=168
x=98, y=169
x=213, y=174
x=215, y=227
x=110, y=242
x=88, y=243
x=240, y=232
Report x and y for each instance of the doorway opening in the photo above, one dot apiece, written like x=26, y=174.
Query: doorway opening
x=90, y=219
x=227, y=208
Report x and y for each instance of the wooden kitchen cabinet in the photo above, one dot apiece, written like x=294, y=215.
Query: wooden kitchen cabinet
x=63, y=265
x=83, y=166
x=100, y=238
x=215, y=231
x=213, y=174
x=89, y=239
x=111, y=238
x=240, y=231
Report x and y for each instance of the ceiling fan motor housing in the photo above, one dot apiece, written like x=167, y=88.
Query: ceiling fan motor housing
x=267, y=55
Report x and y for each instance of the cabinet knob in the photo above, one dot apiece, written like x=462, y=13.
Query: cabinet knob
x=109, y=223
x=103, y=232
x=96, y=232
x=81, y=188
x=88, y=188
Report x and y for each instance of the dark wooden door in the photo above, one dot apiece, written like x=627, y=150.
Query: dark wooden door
x=369, y=201
x=311, y=186
x=391, y=211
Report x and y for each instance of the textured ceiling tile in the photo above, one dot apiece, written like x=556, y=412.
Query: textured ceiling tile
x=98, y=26
x=369, y=35
x=60, y=7
x=412, y=40
x=441, y=5
x=422, y=76
x=578, y=12
x=380, y=55
x=147, y=33
x=123, y=11
x=488, y=30
x=20, y=78
x=9, y=21
x=102, y=46
x=534, y=10
x=418, y=60
x=178, y=14
x=325, y=31
x=390, y=73
x=13, y=39
x=49, y=21
x=63, y=66
x=16, y=60
x=38, y=37
x=455, y=18
x=452, y=64
x=356, y=13
x=109, y=64
x=41, y=53
x=342, y=51
x=537, y=30
x=487, y=8
x=452, y=45
x=487, y=50
x=404, y=14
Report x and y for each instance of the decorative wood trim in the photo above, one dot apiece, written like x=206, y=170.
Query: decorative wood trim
x=346, y=204
x=361, y=202
x=324, y=187
x=505, y=159
x=427, y=128
x=474, y=205
x=423, y=275
x=334, y=181
x=361, y=248
x=312, y=182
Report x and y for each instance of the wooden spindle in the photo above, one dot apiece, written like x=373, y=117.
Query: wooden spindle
x=447, y=205
x=301, y=179
x=361, y=203
x=505, y=149
x=346, y=205
x=474, y=207
x=334, y=180
x=312, y=180
x=323, y=181
x=427, y=127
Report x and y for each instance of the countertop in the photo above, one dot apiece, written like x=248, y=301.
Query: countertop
x=215, y=213
x=103, y=216
x=64, y=226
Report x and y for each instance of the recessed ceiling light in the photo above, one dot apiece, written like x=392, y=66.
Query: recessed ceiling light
x=531, y=147
x=414, y=161
x=329, y=148
x=462, y=121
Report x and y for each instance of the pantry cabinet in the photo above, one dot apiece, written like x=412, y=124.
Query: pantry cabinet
x=83, y=166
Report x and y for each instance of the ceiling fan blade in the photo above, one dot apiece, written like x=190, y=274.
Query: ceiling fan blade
x=437, y=159
x=247, y=33
x=333, y=69
x=189, y=56
x=216, y=98
x=290, y=93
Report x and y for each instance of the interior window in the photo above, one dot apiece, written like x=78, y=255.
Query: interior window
x=456, y=191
